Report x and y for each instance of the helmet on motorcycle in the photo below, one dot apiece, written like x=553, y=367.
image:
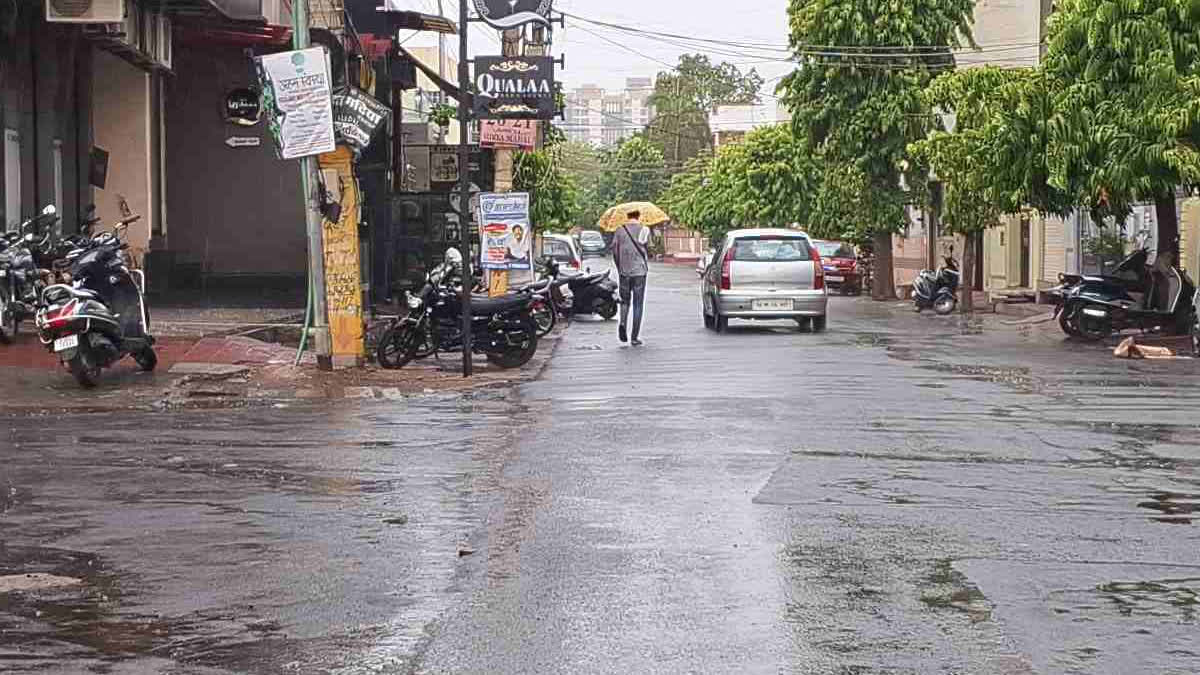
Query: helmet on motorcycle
x=453, y=256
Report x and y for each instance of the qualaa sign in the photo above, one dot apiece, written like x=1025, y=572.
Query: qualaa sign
x=504, y=14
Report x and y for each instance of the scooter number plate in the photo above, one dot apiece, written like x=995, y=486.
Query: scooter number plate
x=64, y=343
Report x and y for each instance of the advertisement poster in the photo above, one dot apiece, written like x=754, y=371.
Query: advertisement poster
x=504, y=230
x=357, y=116
x=296, y=95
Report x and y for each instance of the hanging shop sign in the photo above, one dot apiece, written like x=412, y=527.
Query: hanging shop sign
x=504, y=14
x=504, y=230
x=508, y=134
x=298, y=101
x=514, y=87
x=243, y=107
x=357, y=116
x=443, y=164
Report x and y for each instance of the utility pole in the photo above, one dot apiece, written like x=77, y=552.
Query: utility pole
x=464, y=184
x=312, y=218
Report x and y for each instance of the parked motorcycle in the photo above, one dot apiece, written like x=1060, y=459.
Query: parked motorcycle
x=502, y=328
x=1136, y=295
x=101, y=316
x=22, y=276
x=548, y=302
x=938, y=290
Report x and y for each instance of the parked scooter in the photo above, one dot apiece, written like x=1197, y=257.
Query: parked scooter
x=503, y=328
x=1136, y=295
x=938, y=290
x=591, y=293
x=101, y=316
x=22, y=277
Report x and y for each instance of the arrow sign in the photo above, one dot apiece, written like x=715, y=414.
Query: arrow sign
x=243, y=141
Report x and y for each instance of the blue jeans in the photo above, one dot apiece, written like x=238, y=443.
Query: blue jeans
x=633, y=292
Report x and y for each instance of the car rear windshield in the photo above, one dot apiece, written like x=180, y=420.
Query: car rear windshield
x=834, y=249
x=592, y=236
x=556, y=250
x=771, y=249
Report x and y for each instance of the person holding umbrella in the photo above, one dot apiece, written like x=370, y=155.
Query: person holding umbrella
x=633, y=263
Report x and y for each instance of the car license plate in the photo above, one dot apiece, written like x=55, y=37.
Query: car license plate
x=65, y=343
x=834, y=277
x=772, y=305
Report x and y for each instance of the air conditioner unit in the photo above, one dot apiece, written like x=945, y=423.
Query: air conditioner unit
x=131, y=28
x=85, y=11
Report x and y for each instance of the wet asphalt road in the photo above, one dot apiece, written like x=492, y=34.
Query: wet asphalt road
x=901, y=494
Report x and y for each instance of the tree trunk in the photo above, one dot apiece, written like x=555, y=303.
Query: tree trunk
x=883, y=283
x=968, y=274
x=1168, y=226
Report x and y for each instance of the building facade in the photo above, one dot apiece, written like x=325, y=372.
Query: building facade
x=605, y=118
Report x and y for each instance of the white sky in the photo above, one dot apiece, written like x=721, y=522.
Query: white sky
x=591, y=59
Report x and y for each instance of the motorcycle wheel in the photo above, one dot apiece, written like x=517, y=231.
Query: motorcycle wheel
x=5, y=336
x=1195, y=333
x=945, y=304
x=607, y=311
x=1093, y=329
x=1067, y=324
x=84, y=368
x=147, y=359
x=546, y=318
x=515, y=357
x=400, y=344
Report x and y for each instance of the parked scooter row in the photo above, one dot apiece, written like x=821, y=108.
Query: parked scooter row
x=506, y=329
x=1137, y=294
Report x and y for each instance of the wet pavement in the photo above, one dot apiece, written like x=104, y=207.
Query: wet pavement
x=900, y=494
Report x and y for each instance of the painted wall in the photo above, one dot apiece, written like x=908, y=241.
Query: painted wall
x=237, y=211
x=121, y=125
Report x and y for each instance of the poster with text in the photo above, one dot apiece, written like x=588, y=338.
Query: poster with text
x=296, y=95
x=505, y=234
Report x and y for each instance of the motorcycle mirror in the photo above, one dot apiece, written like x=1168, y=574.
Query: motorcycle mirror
x=49, y=210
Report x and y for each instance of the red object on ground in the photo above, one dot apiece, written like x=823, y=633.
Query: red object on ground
x=27, y=352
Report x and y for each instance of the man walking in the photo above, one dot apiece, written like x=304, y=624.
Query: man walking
x=633, y=262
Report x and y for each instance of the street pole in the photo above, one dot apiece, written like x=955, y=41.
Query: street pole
x=312, y=218
x=464, y=184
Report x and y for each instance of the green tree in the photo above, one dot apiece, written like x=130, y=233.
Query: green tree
x=1125, y=77
x=553, y=193
x=859, y=105
x=993, y=161
x=633, y=171
x=684, y=97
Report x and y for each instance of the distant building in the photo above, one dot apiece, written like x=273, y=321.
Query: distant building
x=730, y=123
x=604, y=118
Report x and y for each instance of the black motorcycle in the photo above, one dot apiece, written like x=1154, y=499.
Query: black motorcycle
x=502, y=328
x=938, y=290
x=1135, y=295
x=101, y=316
x=23, y=258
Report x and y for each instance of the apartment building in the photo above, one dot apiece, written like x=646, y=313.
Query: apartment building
x=605, y=118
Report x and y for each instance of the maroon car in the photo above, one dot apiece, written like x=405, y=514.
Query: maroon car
x=841, y=266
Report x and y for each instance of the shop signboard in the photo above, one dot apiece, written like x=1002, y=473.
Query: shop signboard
x=243, y=106
x=514, y=87
x=505, y=14
x=508, y=134
x=504, y=230
x=298, y=101
x=357, y=116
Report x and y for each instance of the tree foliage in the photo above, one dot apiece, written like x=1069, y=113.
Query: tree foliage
x=684, y=97
x=861, y=109
x=633, y=171
x=554, y=199
x=1125, y=77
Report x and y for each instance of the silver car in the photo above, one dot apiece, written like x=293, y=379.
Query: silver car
x=764, y=274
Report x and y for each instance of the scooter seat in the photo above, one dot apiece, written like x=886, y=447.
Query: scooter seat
x=503, y=303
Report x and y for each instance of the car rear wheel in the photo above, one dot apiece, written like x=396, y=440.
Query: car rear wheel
x=721, y=323
x=709, y=322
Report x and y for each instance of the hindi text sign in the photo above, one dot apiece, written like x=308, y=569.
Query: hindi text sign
x=504, y=230
x=297, y=98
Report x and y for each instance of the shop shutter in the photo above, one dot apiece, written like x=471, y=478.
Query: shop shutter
x=1054, y=249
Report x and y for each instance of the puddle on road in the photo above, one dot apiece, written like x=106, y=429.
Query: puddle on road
x=1174, y=508
x=1019, y=378
x=950, y=589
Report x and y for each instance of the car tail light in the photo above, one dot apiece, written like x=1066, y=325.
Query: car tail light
x=818, y=270
x=726, y=270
